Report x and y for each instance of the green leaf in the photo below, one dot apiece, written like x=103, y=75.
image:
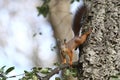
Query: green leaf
x=78, y=0
x=44, y=10
x=34, y=77
x=44, y=70
x=74, y=0
x=57, y=64
x=118, y=74
x=4, y=78
x=9, y=70
x=35, y=69
x=57, y=78
x=114, y=79
x=39, y=68
x=46, y=1
x=2, y=69
x=74, y=72
x=67, y=72
x=114, y=76
x=26, y=72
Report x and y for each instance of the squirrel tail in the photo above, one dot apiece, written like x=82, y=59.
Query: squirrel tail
x=79, y=19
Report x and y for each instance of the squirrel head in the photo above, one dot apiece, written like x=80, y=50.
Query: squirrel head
x=63, y=46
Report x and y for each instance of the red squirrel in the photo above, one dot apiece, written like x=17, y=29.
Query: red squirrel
x=76, y=41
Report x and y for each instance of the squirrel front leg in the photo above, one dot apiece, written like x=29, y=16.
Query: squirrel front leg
x=82, y=40
x=70, y=54
x=63, y=58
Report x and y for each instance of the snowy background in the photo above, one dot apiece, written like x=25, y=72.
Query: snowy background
x=26, y=39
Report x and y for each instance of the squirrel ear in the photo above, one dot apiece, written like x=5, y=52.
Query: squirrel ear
x=64, y=41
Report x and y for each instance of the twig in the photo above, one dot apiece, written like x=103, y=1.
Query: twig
x=15, y=75
x=56, y=70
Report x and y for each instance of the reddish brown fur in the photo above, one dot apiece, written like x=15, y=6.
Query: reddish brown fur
x=76, y=41
x=72, y=44
x=79, y=19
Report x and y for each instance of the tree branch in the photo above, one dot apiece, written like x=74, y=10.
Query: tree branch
x=61, y=67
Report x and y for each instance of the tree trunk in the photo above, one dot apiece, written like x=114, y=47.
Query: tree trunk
x=101, y=57
x=101, y=54
x=61, y=21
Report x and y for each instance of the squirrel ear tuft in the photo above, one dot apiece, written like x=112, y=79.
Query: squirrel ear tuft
x=65, y=41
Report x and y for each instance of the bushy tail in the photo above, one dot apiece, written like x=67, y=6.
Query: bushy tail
x=79, y=19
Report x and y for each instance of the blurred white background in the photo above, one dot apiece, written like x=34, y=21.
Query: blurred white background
x=18, y=45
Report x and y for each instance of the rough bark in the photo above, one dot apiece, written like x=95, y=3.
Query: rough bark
x=101, y=56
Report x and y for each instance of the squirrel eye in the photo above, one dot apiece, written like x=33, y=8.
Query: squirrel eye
x=62, y=51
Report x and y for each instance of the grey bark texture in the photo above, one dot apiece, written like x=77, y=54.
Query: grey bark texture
x=101, y=55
